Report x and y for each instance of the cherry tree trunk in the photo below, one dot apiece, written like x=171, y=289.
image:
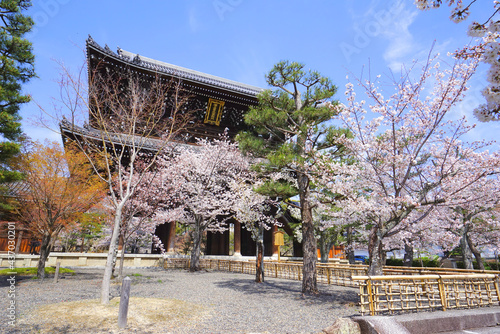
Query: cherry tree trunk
x=476, y=253
x=408, y=259
x=196, y=250
x=122, y=260
x=19, y=240
x=350, y=248
x=375, y=249
x=466, y=252
x=111, y=258
x=259, y=272
x=324, y=248
x=44, y=254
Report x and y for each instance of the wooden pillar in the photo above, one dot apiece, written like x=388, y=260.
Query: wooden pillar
x=274, y=229
x=170, y=244
x=237, y=239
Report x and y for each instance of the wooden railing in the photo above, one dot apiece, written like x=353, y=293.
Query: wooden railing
x=402, y=293
x=395, y=270
x=335, y=274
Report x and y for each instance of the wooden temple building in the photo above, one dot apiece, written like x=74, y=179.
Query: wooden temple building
x=218, y=103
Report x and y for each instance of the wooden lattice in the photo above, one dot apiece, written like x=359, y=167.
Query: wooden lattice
x=390, y=294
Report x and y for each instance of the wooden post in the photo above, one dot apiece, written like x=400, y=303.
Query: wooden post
x=237, y=239
x=497, y=289
x=370, y=296
x=171, y=238
x=124, y=297
x=56, y=274
x=442, y=293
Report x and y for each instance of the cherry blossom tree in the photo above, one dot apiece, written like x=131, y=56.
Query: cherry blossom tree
x=139, y=221
x=254, y=211
x=471, y=221
x=131, y=121
x=408, y=158
x=202, y=175
x=487, y=47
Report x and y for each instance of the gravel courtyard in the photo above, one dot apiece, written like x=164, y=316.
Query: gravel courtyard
x=216, y=302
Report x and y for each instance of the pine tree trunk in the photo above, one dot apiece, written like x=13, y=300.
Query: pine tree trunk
x=408, y=259
x=309, y=279
x=259, y=272
x=375, y=253
x=309, y=245
x=44, y=254
x=111, y=258
x=196, y=250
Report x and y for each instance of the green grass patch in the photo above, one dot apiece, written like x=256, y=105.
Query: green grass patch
x=136, y=275
x=31, y=271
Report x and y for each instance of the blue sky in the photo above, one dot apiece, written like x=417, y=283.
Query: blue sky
x=242, y=39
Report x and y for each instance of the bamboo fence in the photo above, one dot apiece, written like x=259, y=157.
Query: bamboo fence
x=400, y=289
x=403, y=293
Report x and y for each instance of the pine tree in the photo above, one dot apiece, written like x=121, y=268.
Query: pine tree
x=287, y=128
x=16, y=68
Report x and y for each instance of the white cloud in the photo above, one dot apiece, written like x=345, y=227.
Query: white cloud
x=194, y=23
x=401, y=41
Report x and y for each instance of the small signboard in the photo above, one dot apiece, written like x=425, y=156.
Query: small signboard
x=279, y=240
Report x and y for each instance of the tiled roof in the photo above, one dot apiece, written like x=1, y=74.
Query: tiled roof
x=176, y=71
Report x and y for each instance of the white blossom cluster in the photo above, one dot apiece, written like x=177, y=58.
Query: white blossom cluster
x=488, y=48
x=490, y=111
x=407, y=161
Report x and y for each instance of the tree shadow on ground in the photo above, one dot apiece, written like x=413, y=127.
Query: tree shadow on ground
x=279, y=288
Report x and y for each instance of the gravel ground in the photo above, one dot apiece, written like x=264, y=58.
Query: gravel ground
x=235, y=303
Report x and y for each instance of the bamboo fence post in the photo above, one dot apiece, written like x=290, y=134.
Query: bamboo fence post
x=370, y=297
x=495, y=282
x=442, y=293
x=276, y=270
x=328, y=275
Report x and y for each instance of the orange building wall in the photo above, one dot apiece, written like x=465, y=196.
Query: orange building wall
x=335, y=252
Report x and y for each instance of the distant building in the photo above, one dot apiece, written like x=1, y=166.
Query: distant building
x=218, y=103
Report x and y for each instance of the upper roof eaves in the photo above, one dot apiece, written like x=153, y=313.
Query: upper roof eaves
x=176, y=71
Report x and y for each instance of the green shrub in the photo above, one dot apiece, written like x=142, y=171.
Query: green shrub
x=31, y=271
x=426, y=261
x=487, y=265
